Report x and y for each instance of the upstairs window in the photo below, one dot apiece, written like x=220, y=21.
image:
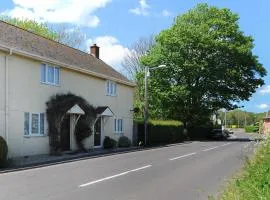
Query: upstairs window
x=111, y=88
x=49, y=74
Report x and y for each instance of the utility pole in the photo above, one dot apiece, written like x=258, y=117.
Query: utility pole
x=146, y=71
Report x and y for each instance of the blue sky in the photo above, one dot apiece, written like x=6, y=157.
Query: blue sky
x=116, y=24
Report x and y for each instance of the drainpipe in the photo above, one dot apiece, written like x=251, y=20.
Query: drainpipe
x=6, y=97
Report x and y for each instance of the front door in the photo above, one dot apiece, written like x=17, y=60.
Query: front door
x=97, y=133
x=65, y=134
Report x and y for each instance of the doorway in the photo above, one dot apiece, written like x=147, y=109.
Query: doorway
x=97, y=133
x=65, y=134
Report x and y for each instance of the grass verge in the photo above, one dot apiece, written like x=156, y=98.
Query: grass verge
x=253, y=182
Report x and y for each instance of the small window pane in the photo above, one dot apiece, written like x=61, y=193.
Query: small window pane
x=26, y=123
x=121, y=127
x=113, y=88
x=35, y=123
x=108, y=87
x=42, y=123
x=43, y=73
x=57, y=75
x=50, y=74
x=115, y=125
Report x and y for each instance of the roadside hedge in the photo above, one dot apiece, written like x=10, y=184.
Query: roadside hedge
x=161, y=132
x=252, y=129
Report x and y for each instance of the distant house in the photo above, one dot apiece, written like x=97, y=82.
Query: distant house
x=266, y=125
x=33, y=68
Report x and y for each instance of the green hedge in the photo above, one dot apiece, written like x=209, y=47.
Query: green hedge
x=161, y=132
x=252, y=129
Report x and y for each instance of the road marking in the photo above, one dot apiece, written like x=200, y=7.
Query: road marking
x=209, y=149
x=226, y=144
x=184, y=156
x=114, y=176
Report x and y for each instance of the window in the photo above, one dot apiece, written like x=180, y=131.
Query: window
x=34, y=123
x=49, y=74
x=118, y=125
x=111, y=88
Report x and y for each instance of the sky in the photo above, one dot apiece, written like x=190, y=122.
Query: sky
x=115, y=24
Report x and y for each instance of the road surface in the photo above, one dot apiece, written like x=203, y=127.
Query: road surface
x=186, y=171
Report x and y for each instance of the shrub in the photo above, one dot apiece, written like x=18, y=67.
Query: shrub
x=3, y=152
x=252, y=129
x=124, y=141
x=109, y=143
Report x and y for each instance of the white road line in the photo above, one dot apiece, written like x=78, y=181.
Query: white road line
x=114, y=176
x=209, y=149
x=226, y=144
x=183, y=156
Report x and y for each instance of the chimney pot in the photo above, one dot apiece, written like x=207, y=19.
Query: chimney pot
x=95, y=50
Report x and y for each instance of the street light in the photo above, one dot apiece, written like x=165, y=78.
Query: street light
x=146, y=75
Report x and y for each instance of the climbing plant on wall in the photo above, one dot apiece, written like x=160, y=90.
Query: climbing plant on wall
x=57, y=108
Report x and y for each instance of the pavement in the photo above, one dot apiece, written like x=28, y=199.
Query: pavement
x=185, y=171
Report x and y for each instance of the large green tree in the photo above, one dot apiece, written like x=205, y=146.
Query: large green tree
x=210, y=65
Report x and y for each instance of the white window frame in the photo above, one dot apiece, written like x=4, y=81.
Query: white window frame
x=39, y=125
x=111, y=88
x=47, y=73
x=116, y=125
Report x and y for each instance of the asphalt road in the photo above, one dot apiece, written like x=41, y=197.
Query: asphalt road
x=186, y=171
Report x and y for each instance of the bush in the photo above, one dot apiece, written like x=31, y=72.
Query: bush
x=161, y=132
x=124, y=141
x=3, y=152
x=109, y=143
x=252, y=129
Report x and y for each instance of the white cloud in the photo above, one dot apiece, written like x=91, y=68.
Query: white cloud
x=142, y=9
x=80, y=12
x=265, y=90
x=263, y=106
x=111, y=51
x=166, y=13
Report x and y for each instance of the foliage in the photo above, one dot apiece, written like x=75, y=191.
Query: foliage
x=252, y=129
x=3, y=152
x=161, y=132
x=254, y=180
x=57, y=108
x=240, y=118
x=124, y=141
x=39, y=28
x=109, y=143
x=134, y=70
x=210, y=66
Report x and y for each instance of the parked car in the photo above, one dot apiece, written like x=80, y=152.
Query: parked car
x=227, y=131
x=218, y=134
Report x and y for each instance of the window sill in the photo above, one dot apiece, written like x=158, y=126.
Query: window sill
x=51, y=84
x=119, y=132
x=111, y=95
x=33, y=136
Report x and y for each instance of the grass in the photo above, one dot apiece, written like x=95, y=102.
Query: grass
x=254, y=180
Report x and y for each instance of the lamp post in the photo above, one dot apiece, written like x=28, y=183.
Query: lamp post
x=146, y=75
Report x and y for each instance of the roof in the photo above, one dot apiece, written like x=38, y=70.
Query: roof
x=26, y=41
x=104, y=111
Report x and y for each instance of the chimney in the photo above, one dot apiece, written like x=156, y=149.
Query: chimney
x=95, y=50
